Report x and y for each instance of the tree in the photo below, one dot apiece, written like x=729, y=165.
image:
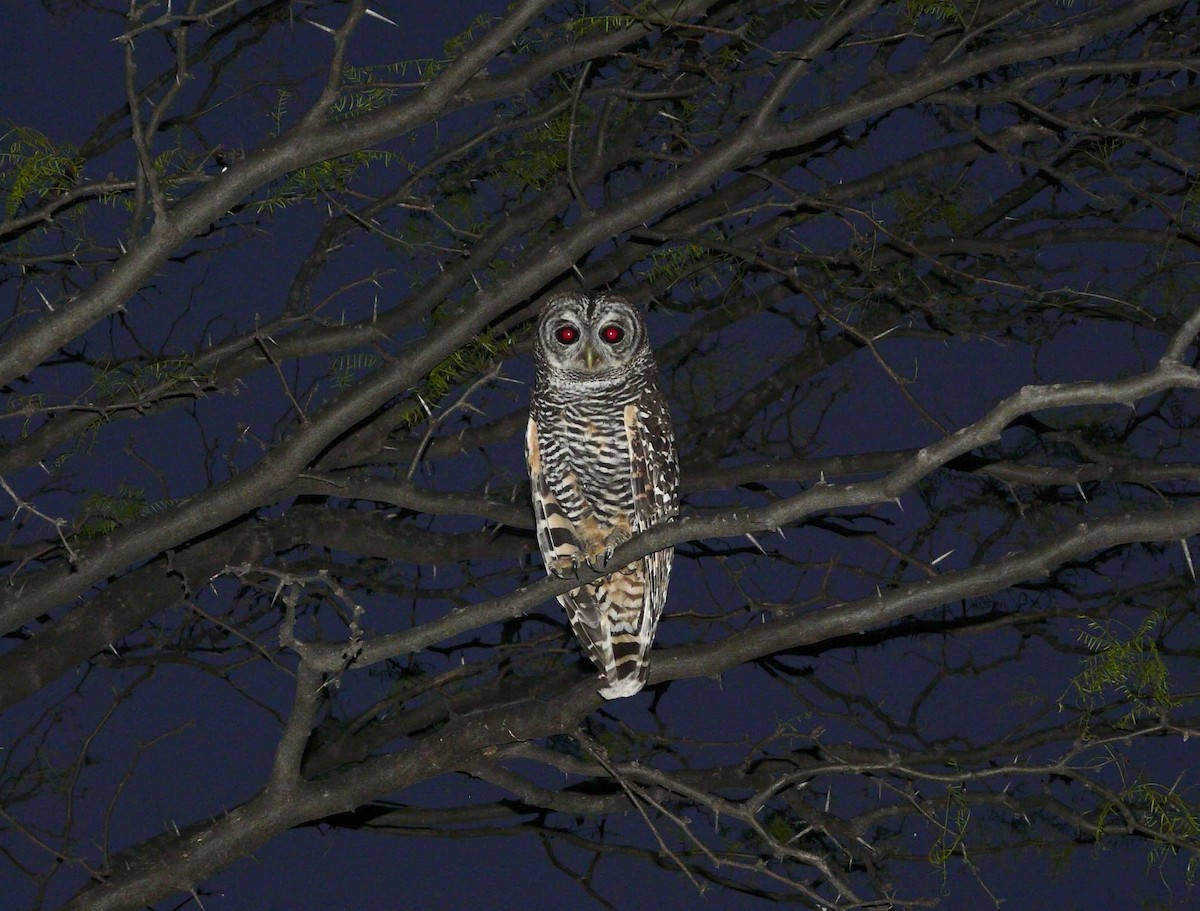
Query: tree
x=922, y=277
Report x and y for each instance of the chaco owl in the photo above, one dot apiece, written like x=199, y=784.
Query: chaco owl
x=601, y=454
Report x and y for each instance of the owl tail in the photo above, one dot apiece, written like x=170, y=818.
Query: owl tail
x=630, y=667
x=615, y=630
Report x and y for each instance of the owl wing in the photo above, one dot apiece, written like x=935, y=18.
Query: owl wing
x=555, y=534
x=632, y=599
x=653, y=467
x=560, y=546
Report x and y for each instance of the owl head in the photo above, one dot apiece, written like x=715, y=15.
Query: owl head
x=590, y=338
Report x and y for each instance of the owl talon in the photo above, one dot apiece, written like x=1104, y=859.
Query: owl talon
x=565, y=567
x=615, y=540
x=597, y=561
x=600, y=558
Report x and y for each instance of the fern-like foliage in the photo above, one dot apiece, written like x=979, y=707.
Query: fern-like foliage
x=1163, y=810
x=330, y=176
x=103, y=513
x=362, y=91
x=585, y=25
x=114, y=381
x=952, y=830
x=470, y=360
x=544, y=159
x=31, y=166
x=944, y=10
x=457, y=45
x=1191, y=204
x=346, y=369
x=1126, y=662
x=334, y=174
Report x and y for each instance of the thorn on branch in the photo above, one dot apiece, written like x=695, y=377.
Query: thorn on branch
x=58, y=524
x=382, y=18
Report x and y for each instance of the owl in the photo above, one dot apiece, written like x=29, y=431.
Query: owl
x=601, y=455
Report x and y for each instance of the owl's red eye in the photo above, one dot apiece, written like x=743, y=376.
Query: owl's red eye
x=567, y=334
x=612, y=334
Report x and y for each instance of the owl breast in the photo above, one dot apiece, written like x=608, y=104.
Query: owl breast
x=591, y=445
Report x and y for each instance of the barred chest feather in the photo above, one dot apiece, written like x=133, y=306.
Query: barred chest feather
x=586, y=436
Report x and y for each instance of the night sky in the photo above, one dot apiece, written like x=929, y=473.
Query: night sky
x=59, y=71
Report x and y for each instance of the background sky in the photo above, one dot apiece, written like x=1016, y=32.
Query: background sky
x=58, y=72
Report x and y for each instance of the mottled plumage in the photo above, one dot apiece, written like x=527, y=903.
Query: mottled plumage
x=601, y=454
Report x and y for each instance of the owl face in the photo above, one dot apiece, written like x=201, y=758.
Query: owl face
x=590, y=336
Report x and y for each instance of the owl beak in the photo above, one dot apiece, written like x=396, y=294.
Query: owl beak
x=589, y=357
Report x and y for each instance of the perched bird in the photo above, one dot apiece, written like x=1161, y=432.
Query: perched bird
x=601, y=455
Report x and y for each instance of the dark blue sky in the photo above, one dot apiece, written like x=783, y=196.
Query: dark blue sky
x=60, y=72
